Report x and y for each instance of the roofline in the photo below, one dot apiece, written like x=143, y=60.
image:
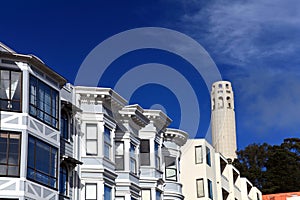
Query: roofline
x=36, y=62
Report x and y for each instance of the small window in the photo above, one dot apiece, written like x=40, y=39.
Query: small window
x=133, y=166
x=90, y=191
x=210, y=189
x=10, y=90
x=227, y=85
x=208, y=159
x=157, y=157
x=220, y=85
x=200, y=188
x=107, y=142
x=119, y=155
x=63, y=180
x=107, y=193
x=171, y=169
x=91, y=140
x=146, y=194
x=220, y=102
x=145, y=153
x=198, y=155
x=10, y=144
x=64, y=125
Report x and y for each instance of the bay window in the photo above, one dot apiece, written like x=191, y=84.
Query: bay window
x=42, y=162
x=91, y=140
x=10, y=143
x=10, y=90
x=43, y=102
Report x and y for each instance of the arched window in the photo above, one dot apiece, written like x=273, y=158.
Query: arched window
x=63, y=180
x=220, y=102
x=64, y=125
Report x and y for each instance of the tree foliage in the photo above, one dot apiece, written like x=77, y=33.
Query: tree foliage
x=273, y=169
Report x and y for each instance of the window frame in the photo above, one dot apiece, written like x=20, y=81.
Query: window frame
x=119, y=156
x=20, y=86
x=35, y=97
x=91, y=140
x=7, y=153
x=90, y=184
x=145, y=152
x=107, y=143
x=198, y=185
x=198, y=149
x=66, y=182
x=35, y=169
x=170, y=168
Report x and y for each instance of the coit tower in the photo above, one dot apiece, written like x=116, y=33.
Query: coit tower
x=223, y=119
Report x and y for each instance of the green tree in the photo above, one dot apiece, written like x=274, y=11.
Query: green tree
x=272, y=169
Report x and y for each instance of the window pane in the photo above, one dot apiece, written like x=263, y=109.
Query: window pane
x=90, y=191
x=91, y=131
x=107, y=150
x=208, y=159
x=119, y=148
x=145, y=152
x=210, y=189
x=107, y=193
x=200, y=188
x=106, y=134
x=146, y=195
x=91, y=147
x=198, y=154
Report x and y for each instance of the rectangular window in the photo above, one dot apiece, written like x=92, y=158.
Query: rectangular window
x=198, y=155
x=132, y=159
x=91, y=140
x=210, y=189
x=145, y=153
x=158, y=195
x=10, y=90
x=10, y=145
x=107, y=192
x=43, y=102
x=119, y=155
x=157, y=157
x=107, y=142
x=64, y=125
x=208, y=159
x=42, y=162
x=200, y=188
x=171, y=170
x=146, y=194
x=90, y=191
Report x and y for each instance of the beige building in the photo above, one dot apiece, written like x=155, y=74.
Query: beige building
x=223, y=119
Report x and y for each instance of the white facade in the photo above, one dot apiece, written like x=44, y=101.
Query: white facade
x=223, y=119
x=61, y=141
x=206, y=174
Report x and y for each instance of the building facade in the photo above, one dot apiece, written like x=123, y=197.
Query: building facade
x=59, y=141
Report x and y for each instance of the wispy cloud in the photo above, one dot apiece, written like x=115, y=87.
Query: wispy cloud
x=260, y=42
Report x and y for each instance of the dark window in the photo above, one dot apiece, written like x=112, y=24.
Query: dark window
x=200, y=188
x=146, y=194
x=208, y=159
x=171, y=170
x=145, y=152
x=10, y=90
x=90, y=191
x=107, y=192
x=210, y=189
x=42, y=162
x=107, y=142
x=43, y=103
x=10, y=143
x=63, y=180
x=222, y=165
x=119, y=155
x=64, y=125
x=225, y=194
x=158, y=195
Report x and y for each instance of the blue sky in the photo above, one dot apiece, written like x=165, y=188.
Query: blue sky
x=255, y=45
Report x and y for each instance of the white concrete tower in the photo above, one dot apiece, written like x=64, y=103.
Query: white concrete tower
x=223, y=119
